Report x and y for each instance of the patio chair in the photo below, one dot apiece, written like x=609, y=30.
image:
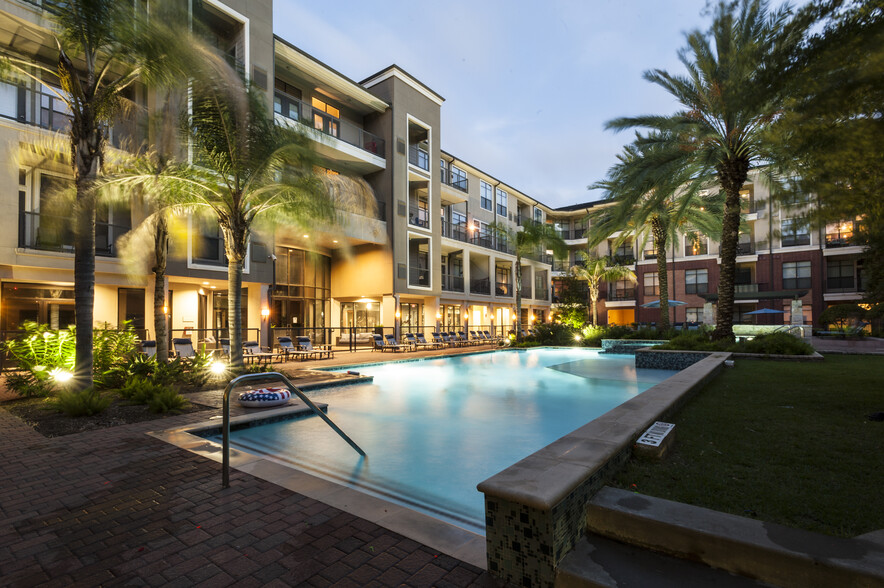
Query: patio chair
x=462, y=337
x=393, y=343
x=488, y=336
x=441, y=341
x=183, y=348
x=477, y=338
x=149, y=348
x=449, y=340
x=412, y=340
x=287, y=349
x=252, y=352
x=435, y=344
x=379, y=343
x=307, y=346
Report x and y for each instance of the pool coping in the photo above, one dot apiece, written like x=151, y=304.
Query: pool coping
x=447, y=538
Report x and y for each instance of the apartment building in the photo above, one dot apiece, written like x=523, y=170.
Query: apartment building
x=421, y=256
x=778, y=261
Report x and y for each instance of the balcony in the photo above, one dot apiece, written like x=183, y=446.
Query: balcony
x=503, y=289
x=456, y=181
x=842, y=284
x=419, y=276
x=55, y=233
x=746, y=248
x=40, y=109
x=452, y=283
x=746, y=288
x=560, y=266
x=541, y=293
x=620, y=294
x=649, y=254
x=419, y=157
x=842, y=239
x=458, y=232
x=692, y=249
x=481, y=286
x=293, y=109
x=621, y=259
x=795, y=240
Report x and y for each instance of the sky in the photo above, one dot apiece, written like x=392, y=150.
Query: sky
x=528, y=86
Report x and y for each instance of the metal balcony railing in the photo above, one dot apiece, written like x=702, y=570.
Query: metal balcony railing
x=745, y=248
x=795, y=240
x=503, y=289
x=303, y=113
x=419, y=276
x=616, y=294
x=56, y=233
x=456, y=181
x=418, y=156
x=452, y=283
x=457, y=232
x=481, y=286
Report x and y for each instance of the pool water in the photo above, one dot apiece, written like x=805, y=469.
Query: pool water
x=433, y=429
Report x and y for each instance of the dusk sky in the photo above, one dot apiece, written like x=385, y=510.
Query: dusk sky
x=528, y=86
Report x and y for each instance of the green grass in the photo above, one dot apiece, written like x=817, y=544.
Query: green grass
x=782, y=442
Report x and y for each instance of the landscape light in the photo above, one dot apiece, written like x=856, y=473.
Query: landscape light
x=60, y=375
x=218, y=368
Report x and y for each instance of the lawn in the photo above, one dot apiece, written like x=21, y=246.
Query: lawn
x=782, y=442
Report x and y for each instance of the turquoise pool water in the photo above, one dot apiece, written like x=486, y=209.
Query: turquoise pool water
x=433, y=429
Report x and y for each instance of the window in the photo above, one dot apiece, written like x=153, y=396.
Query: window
x=538, y=215
x=411, y=316
x=325, y=117
x=840, y=234
x=694, y=314
x=794, y=232
x=485, y=195
x=419, y=261
x=696, y=281
x=839, y=275
x=501, y=202
x=652, y=285
x=796, y=274
x=621, y=290
x=458, y=178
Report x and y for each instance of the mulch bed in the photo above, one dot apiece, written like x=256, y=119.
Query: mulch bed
x=39, y=414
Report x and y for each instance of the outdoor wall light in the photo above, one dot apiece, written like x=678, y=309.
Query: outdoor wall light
x=398, y=314
x=265, y=312
x=165, y=310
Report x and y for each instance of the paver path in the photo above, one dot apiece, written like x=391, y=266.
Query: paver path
x=115, y=507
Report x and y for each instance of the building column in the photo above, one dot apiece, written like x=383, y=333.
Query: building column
x=708, y=314
x=797, y=308
x=264, y=325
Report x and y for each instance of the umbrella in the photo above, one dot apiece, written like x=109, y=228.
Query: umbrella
x=766, y=311
x=656, y=304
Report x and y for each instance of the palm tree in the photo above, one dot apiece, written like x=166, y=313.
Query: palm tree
x=652, y=200
x=528, y=240
x=248, y=173
x=719, y=131
x=103, y=48
x=596, y=270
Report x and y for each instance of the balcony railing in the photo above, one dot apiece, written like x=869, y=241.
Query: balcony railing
x=452, y=283
x=745, y=248
x=419, y=157
x=456, y=181
x=649, y=254
x=419, y=276
x=560, y=266
x=795, y=240
x=503, y=289
x=481, y=286
x=41, y=109
x=691, y=249
x=305, y=114
x=621, y=259
x=616, y=294
x=541, y=294
x=834, y=240
x=55, y=233
x=841, y=284
x=750, y=288
x=454, y=231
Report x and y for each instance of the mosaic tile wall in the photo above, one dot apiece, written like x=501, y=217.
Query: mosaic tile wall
x=668, y=360
x=526, y=544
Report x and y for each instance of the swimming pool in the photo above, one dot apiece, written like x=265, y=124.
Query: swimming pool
x=433, y=429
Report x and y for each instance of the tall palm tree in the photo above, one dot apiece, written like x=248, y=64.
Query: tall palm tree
x=653, y=200
x=247, y=173
x=103, y=48
x=719, y=131
x=529, y=239
x=596, y=270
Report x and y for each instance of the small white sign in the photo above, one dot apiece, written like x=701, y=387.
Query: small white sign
x=655, y=434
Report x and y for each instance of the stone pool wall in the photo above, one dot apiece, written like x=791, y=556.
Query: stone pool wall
x=535, y=510
x=628, y=346
x=664, y=359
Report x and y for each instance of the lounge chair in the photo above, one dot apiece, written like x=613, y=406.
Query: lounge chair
x=288, y=349
x=183, y=348
x=438, y=340
x=307, y=346
x=489, y=337
x=379, y=343
x=149, y=348
x=252, y=351
x=449, y=340
x=435, y=344
x=412, y=340
x=394, y=344
x=462, y=336
x=225, y=347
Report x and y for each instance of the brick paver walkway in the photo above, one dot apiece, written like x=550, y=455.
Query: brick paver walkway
x=118, y=508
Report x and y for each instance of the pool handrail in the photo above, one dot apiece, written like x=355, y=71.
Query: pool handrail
x=225, y=426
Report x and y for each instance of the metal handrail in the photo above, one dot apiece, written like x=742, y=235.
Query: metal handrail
x=225, y=426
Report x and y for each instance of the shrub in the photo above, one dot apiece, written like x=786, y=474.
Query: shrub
x=773, y=343
x=26, y=385
x=82, y=403
x=167, y=400
x=112, y=346
x=140, y=391
x=554, y=334
x=695, y=341
x=136, y=365
x=573, y=315
x=841, y=315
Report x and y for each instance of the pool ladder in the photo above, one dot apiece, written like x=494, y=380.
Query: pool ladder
x=225, y=426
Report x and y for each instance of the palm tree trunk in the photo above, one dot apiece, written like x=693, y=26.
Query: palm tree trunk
x=662, y=277
x=732, y=173
x=518, y=319
x=161, y=248
x=593, y=288
x=234, y=311
x=86, y=153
